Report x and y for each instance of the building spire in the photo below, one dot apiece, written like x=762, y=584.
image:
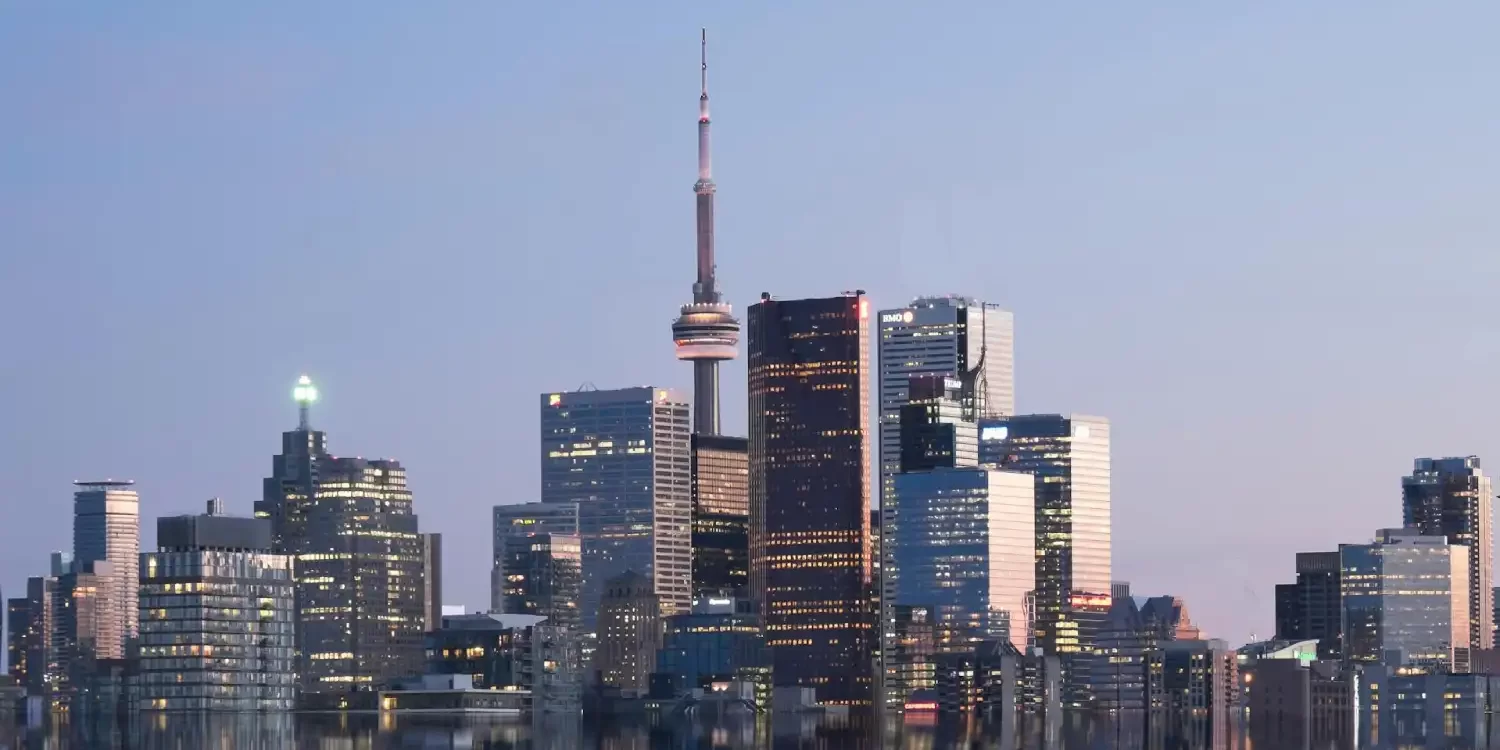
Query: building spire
x=304, y=394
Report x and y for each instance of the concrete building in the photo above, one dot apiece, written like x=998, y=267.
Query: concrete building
x=522, y=519
x=721, y=516
x=810, y=474
x=1406, y=592
x=1452, y=498
x=432, y=576
x=543, y=576
x=107, y=527
x=513, y=654
x=630, y=633
x=217, y=617
x=1313, y=607
x=625, y=457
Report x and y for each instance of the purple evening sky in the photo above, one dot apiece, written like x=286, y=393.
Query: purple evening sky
x=1259, y=239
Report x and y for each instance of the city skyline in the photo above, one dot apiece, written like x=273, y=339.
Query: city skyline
x=198, y=294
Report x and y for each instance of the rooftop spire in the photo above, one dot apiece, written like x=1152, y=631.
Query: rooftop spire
x=304, y=394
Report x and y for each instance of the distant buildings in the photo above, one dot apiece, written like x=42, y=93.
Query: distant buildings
x=107, y=527
x=1452, y=497
x=1132, y=632
x=719, y=642
x=809, y=382
x=630, y=633
x=85, y=625
x=432, y=577
x=217, y=617
x=1313, y=607
x=624, y=456
x=543, y=576
x=1406, y=600
x=29, y=633
x=520, y=519
x=721, y=516
x=1191, y=686
x=511, y=653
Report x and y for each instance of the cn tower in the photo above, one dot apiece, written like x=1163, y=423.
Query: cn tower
x=706, y=332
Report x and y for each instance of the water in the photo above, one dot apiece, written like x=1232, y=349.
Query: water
x=447, y=732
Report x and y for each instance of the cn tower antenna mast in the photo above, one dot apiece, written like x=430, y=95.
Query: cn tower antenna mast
x=706, y=333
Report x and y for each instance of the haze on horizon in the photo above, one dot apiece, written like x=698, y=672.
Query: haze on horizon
x=1260, y=240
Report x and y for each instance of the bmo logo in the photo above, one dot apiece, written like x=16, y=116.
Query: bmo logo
x=900, y=316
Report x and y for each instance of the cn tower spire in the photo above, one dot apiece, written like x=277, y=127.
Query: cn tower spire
x=706, y=333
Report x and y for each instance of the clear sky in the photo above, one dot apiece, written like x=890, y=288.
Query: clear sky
x=1260, y=239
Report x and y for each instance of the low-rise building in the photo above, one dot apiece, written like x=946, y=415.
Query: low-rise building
x=510, y=653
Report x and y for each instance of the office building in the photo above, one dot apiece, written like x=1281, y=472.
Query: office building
x=625, y=457
x=1069, y=457
x=29, y=634
x=1293, y=704
x=522, y=519
x=511, y=653
x=86, y=628
x=1313, y=607
x=1192, y=687
x=289, y=491
x=718, y=642
x=361, y=595
x=543, y=575
x=217, y=617
x=706, y=333
x=809, y=382
x=721, y=516
x=1406, y=592
x=432, y=575
x=1131, y=632
x=1452, y=497
x=107, y=526
x=630, y=633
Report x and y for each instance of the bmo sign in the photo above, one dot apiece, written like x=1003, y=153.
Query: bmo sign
x=900, y=316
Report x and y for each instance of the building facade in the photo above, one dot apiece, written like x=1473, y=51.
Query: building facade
x=1313, y=607
x=28, y=626
x=86, y=629
x=1070, y=460
x=508, y=653
x=107, y=526
x=522, y=519
x=1452, y=497
x=361, y=596
x=217, y=617
x=810, y=475
x=630, y=633
x=1406, y=592
x=432, y=576
x=543, y=576
x=718, y=642
x=625, y=457
x=1192, y=688
x=721, y=516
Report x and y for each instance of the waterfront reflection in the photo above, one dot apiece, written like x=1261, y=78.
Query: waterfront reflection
x=377, y=732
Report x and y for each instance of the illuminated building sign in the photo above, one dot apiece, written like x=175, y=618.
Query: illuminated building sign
x=996, y=432
x=900, y=316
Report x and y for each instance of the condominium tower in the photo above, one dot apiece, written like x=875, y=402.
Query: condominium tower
x=1452, y=497
x=107, y=527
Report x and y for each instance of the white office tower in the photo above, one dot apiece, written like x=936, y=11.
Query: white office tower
x=107, y=527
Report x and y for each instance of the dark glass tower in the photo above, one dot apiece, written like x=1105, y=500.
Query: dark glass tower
x=809, y=377
x=287, y=493
x=543, y=575
x=721, y=516
x=1452, y=497
x=1313, y=607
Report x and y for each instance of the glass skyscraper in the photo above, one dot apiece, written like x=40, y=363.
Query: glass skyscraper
x=107, y=526
x=520, y=519
x=543, y=574
x=624, y=456
x=1452, y=497
x=216, y=617
x=721, y=516
x=1405, y=592
x=810, y=473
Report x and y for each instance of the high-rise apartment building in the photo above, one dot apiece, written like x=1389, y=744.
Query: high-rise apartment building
x=630, y=634
x=1313, y=607
x=107, y=526
x=1452, y=497
x=625, y=457
x=86, y=627
x=216, y=617
x=521, y=519
x=360, y=590
x=432, y=574
x=543, y=575
x=721, y=516
x=1069, y=456
x=1406, y=592
x=810, y=474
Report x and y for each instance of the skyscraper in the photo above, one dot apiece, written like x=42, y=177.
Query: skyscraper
x=543, y=574
x=432, y=575
x=217, y=617
x=625, y=457
x=1313, y=607
x=1452, y=497
x=287, y=493
x=630, y=633
x=107, y=527
x=721, y=516
x=521, y=519
x=1406, y=592
x=1069, y=456
x=30, y=633
x=85, y=627
x=706, y=333
x=361, y=594
x=809, y=381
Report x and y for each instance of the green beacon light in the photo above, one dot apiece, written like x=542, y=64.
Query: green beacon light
x=304, y=394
